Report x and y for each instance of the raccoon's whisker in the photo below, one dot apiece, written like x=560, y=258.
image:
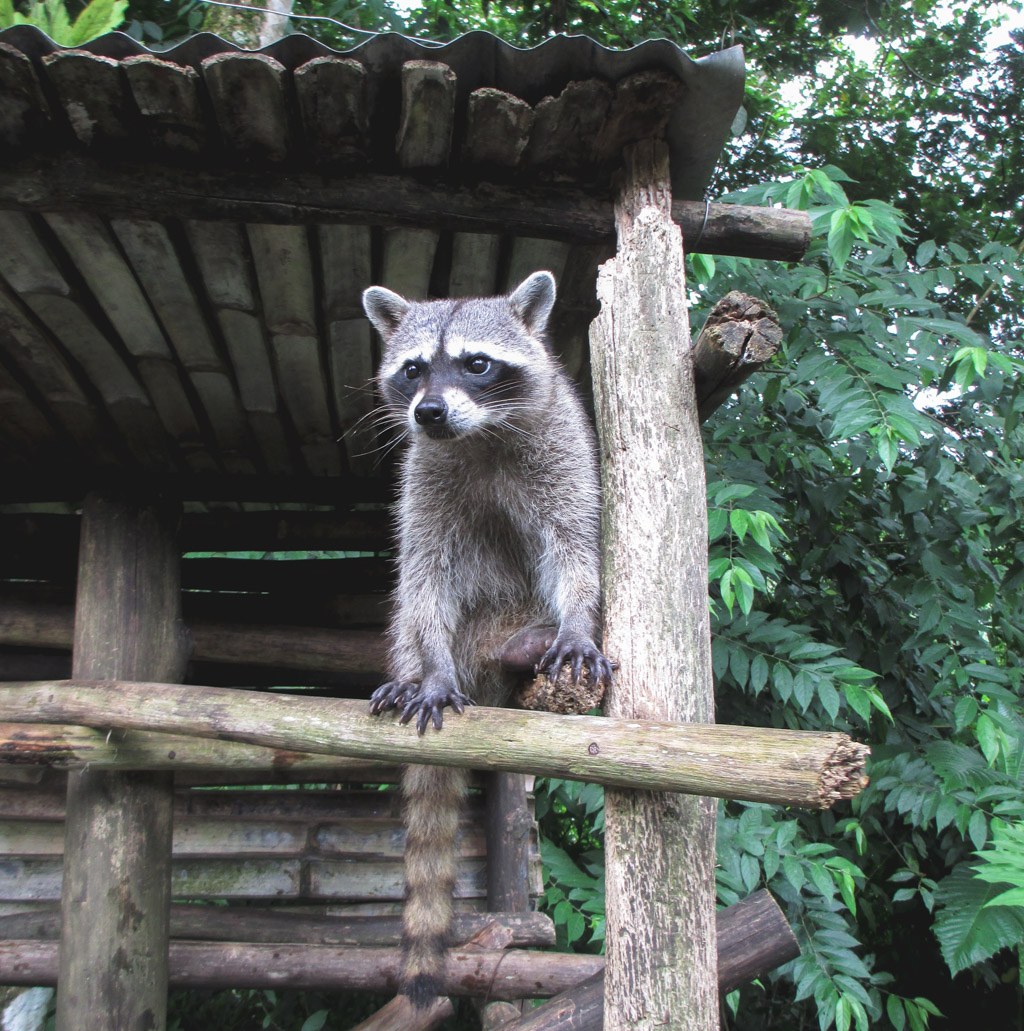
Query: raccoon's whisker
x=379, y=416
x=382, y=450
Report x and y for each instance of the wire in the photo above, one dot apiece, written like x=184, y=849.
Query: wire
x=313, y=17
x=704, y=224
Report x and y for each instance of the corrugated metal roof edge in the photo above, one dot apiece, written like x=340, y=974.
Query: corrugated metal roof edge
x=698, y=129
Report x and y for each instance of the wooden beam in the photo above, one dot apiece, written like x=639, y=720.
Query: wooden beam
x=494, y=973
x=245, y=924
x=802, y=768
x=64, y=182
x=314, y=649
x=499, y=973
x=117, y=867
x=660, y=943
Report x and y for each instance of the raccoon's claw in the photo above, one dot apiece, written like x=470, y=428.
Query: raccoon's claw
x=576, y=651
x=425, y=701
x=390, y=695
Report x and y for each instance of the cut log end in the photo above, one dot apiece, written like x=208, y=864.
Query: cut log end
x=842, y=775
x=740, y=336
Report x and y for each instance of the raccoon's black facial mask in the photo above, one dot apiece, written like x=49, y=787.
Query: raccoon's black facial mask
x=451, y=396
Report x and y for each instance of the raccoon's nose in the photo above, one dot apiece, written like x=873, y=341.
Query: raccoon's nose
x=431, y=411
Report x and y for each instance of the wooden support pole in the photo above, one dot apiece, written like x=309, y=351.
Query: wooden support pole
x=117, y=867
x=659, y=848
x=755, y=764
x=507, y=826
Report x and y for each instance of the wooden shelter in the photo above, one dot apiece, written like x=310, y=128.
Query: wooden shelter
x=185, y=384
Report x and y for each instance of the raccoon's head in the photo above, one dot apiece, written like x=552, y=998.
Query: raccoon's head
x=457, y=367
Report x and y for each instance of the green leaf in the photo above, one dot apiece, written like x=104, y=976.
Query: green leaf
x=703, y=267
x=717, y=521
x=895, y=1012
x=858, y=700
x=888, y=449
x=739, y=520
x=829, y=698
x=977, y=829
x=758, y=673
x=1013, y=897
x=315, y=1021
x=926, y=252
x=842, y=235
x=97, y=18
x=967, y=928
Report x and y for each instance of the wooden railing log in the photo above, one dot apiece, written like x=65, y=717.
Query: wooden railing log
x=749, y=763
x=495, y=973
x=300, y=648
x=245, y=924
x=501, y=973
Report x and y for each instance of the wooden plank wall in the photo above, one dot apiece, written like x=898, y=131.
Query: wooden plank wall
x=342, y=847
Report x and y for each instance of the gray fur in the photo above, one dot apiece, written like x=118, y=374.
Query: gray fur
x=497, y=530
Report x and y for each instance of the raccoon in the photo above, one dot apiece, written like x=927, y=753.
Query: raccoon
x=497, y=531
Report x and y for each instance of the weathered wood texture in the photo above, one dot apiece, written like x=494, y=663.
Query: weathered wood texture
x=248, y=924
x=66, y=747
x=297, y=648
x=753, y=938
x=561, y=213
x=797, y=768
x=400, y=1014
x=739, y=336
x=508, y=825
x=116, y=899
x=470, y=970
x=661, y=943
x=501, y=974
x=207, y=219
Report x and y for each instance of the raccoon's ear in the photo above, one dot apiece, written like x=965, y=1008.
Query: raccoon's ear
x=533, y=300
x=384, y=308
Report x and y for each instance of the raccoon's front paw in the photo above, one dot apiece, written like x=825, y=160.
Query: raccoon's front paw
x=425, y=700
x=576, y=650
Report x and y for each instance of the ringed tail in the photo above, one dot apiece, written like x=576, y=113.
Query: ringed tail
x=433, y=806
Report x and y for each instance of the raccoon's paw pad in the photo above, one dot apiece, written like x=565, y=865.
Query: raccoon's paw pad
x=575, y=651
x=428, y=702
x=391, y=695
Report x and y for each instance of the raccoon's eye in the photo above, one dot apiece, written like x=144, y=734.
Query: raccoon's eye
x=478, y=364
x=412, y=370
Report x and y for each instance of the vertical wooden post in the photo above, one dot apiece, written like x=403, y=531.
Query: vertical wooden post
x=660, y=848
x=507, y=831
x=508, y=843
x=115, y=902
